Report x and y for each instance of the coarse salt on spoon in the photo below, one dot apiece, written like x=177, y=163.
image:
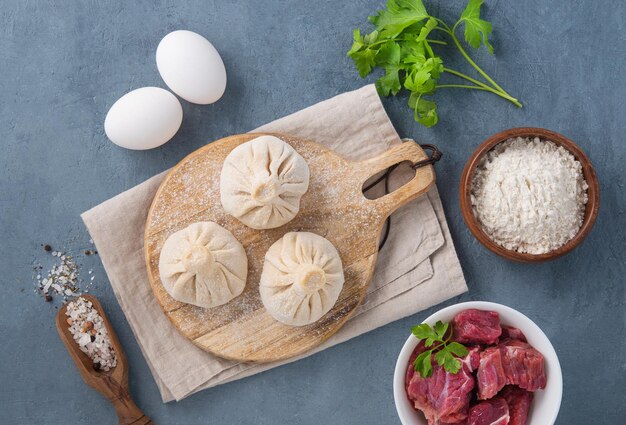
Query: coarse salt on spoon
x=112, y=384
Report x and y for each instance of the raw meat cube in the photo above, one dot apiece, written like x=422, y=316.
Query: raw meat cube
x=523, y=365
x=410, y=370
x=512, y=333
x=491, y=376
x=443, y=397
x=490, y=412
x=476, y=327
x=519, y=401
x=472, y=360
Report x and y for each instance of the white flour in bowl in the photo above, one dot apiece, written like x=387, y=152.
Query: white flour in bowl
x=529, y=195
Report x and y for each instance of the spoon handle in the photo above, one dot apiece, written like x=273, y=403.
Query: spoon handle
x=127, y=411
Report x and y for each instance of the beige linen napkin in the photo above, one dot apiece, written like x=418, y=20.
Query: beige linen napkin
x=416, y=269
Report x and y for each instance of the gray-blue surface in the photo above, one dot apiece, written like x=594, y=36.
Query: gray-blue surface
x=64, y=63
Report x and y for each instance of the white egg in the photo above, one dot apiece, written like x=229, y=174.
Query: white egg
x=144, y=118
x=191, y=67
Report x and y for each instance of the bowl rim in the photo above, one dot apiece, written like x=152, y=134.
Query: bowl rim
x=399, y=393
x=591, y=208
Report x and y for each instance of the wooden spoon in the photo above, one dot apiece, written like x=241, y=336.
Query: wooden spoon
x=112, y=384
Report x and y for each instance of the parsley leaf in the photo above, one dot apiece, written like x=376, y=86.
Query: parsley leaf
x=388, y=54
x=423, y=365
x=415, y=5
x=389, y=57
x=476, y=30
x=457, y=349
x=371, y=37
x=443, y=352
x=425, y=111
x=362, y=54
x=390, y=82
x=451, y=363
x=441, y=328
x=424, y=331
x=402, y=45
x=440, y=357
x=399, y=15
x=430, y=25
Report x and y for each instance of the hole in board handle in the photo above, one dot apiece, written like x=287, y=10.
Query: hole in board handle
x=387, y=181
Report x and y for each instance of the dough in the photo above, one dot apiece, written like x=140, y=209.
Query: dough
x=203, y=265
x=302, y=278
x=262, y=182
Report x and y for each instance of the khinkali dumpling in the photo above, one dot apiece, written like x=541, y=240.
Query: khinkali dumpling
x=262, y=182
x=302, y=278
x=203, y=265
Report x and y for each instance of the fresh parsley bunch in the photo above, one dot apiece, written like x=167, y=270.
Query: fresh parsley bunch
x=400, y=45
x=444, y=349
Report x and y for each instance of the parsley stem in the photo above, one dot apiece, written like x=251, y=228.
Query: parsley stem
x=500, y=91
x=483, y=86
x=456, y=25
x=471, y=62
x=465, y=77
x=437, y=346
x=442, y=29
x=487, y=88
x=496, y=88
x=378, y=42
x=461, y=86
x=445, y=28
x=443, y=43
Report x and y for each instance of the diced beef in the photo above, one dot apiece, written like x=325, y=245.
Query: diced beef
x=512, y=333
x=500, y=373
x=523, y=365
x=519, y=401
x=490, y=412
x=443, y=397
x=410, y=370
x=491, y=377
x=476, y=327
x=472, y=360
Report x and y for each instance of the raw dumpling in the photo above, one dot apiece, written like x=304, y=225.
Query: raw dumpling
x=302, y=278
x=262, y=182
x=203, y=265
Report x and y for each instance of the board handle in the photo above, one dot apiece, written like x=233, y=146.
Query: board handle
x=422, y=181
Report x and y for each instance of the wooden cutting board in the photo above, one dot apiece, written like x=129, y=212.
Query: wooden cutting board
x=334, y=207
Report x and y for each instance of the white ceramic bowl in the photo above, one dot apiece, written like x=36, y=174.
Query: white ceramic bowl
x=546, y=403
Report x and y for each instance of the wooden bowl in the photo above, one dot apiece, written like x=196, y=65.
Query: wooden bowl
x=591, y=209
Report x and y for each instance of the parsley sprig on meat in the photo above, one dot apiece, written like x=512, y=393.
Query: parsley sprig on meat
x=444, y=349
x=402, y=45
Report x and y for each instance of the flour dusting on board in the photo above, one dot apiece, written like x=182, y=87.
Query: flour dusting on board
x=333, y=207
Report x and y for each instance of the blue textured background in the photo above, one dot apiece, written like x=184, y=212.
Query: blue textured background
x=64, y=63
